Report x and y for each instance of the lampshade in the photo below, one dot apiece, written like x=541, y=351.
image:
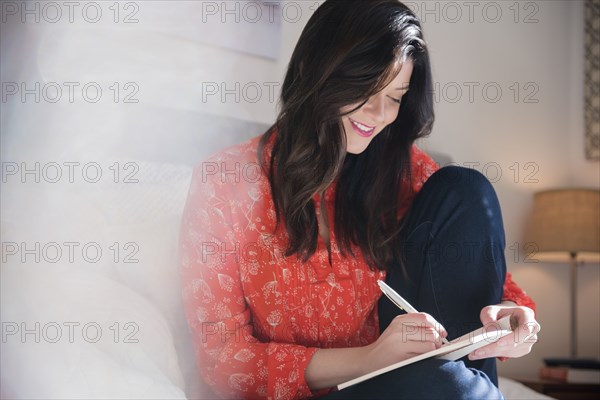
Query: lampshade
x=564, y=222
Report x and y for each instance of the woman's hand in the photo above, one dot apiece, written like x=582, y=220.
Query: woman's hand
x=516, y=344
x=406, y=336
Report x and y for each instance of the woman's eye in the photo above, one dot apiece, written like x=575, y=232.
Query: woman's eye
x=396, y=100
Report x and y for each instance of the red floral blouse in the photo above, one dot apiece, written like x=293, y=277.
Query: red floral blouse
x=257, y=317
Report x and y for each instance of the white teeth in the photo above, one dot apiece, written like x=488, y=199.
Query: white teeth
x=362, y=127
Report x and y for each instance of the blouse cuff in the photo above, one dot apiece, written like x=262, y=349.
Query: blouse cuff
x=514, y=293
x=287, y=364
x=304, y=390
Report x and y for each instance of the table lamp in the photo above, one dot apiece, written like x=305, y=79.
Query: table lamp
x=565, y=226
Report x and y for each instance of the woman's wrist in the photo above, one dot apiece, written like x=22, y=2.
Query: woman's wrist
x=330, y=367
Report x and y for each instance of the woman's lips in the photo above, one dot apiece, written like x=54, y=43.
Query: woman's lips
x=360, y=129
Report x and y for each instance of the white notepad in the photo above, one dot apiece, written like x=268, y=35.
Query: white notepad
x=454, y=350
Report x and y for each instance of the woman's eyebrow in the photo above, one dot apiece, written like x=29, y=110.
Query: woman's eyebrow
x=403, y=88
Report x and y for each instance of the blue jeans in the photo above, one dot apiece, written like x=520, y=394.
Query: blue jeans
x=454, y=257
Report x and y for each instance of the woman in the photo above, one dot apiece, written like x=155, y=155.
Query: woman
x=284, y=236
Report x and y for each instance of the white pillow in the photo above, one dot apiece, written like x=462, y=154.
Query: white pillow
x=146, y=292
x=95, y=339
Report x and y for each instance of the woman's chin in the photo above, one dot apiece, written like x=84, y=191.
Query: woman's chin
x=357, y=148
x=358, y=144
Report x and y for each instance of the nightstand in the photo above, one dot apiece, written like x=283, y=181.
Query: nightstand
x=562, y=390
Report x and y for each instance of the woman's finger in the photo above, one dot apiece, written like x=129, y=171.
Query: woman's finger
x=419, y=347
x=415, y=321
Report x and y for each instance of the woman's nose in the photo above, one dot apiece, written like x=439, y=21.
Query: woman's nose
x=375, y=109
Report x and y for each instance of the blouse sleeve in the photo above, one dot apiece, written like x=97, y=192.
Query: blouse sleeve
x=512, y=292
x=423, y=167
x=231, y=360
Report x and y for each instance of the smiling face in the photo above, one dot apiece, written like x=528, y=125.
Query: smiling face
x=378, y=112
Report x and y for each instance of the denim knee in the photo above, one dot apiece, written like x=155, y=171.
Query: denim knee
x=471, y=186
x=461, y=179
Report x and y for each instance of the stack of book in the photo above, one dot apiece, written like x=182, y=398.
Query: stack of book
x=571, y=370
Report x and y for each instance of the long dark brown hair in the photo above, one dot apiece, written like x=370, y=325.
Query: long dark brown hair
x=349, y=51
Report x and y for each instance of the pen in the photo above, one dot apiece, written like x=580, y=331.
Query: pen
x=399, y=301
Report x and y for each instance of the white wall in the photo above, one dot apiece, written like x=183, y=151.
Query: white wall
x=548, y=55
